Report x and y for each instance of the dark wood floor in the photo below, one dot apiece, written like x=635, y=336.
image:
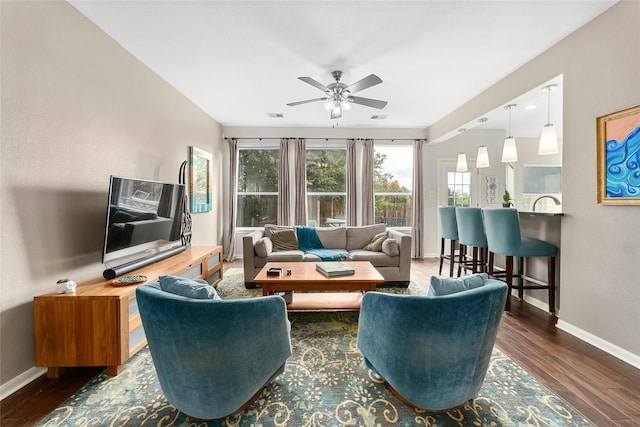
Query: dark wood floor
x=601, y=387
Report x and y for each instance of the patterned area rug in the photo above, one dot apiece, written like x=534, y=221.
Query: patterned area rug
x=325, y=384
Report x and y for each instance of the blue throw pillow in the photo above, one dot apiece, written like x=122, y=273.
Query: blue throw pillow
x=197, y=289
x=451, y=285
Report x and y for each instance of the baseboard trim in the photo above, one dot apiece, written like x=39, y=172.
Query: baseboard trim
x=20, y=381
x=612, y=349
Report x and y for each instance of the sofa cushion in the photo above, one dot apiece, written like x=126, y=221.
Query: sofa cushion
x=196, y=289
x=284, y=240
x=280, y=256
x=263, y=247
x=452, y=285
x=390, y=247
x=358, y=237
x=270, y=228
x=377, y=259
x=375, y=245
x=333, y=237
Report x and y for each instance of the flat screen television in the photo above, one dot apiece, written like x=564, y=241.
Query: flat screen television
x=143, y=218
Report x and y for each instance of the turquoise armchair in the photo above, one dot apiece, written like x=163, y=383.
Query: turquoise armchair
x=433, y=351
x=213, y=356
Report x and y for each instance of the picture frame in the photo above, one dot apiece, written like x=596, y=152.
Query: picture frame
x=200, y=182
x=618, y=157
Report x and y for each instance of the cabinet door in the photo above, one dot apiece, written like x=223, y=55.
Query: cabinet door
x=194, y=272
x=214, y=268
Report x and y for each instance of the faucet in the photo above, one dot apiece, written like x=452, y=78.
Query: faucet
x=555, y=200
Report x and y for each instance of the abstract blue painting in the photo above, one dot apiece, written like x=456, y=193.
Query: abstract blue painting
x=619, y=157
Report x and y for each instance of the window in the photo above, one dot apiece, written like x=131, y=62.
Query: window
x=392, y=182
x=541, y=180
x=458, y=189
x=326, y=186
x=257, y=187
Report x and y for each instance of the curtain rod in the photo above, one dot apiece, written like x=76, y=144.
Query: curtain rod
x=328, y=139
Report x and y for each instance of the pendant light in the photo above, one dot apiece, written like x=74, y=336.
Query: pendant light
x=482, y=160
x=549, y=138
x=461, y=165
x=509, y=151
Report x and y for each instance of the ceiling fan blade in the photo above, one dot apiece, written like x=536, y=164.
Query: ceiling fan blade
x=315, y=83
x=370, y=80
x=293, y=104
x=375, y=103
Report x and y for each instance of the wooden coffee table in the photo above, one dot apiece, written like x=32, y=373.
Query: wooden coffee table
x=306, y=279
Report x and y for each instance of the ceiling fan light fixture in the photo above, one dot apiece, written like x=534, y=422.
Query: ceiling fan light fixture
x=336, y=111
x=338, y=95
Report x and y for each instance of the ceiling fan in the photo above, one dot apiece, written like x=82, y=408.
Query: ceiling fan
x=339, y=96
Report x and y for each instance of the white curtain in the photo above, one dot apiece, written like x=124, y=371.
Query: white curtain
x=352, y=174
x=230, y=243
x=367, y=182
x=300, y=216
x=417, y=210
x=284, y=187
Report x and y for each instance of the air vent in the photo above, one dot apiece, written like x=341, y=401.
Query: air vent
x=275, y=115
x=378, y=117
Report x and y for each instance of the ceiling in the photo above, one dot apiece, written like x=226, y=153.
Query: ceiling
x=239, y=60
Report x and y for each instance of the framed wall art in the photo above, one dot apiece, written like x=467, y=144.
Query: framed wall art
x=618, y=157
x=200, y=185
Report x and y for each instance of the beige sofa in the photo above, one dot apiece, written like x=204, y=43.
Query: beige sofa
x=393, y=262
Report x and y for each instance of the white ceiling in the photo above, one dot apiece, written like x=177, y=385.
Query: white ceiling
x=239, y=60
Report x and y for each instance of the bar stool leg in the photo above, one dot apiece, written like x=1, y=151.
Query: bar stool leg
x=441, y=255
x=551, y=280
x=485, y=259
x=520, y=277
x=474, y=259
x=509, y=280
x=490, y=263
x=452, y=256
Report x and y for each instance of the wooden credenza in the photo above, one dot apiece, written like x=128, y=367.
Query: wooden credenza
x=99, y=324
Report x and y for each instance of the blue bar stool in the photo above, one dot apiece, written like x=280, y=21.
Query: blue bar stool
x=502, y=226
x=471, y=234
x=448, y=230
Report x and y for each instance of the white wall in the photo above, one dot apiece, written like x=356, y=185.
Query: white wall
x=76, y=107
x=599, y=290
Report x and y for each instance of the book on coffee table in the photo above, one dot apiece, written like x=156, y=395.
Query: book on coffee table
x=334, y=268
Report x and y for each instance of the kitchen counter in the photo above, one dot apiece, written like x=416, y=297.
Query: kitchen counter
x=530, y=213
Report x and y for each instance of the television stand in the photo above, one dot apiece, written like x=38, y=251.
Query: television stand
x=99, y=324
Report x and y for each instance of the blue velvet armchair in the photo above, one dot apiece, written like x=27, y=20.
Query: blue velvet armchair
x=213, y=356
x=433, y=351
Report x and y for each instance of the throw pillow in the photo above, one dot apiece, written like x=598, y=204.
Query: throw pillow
x=375, y=245
x=263, y=247
x=197, y=289
x=390, y=247
x=452, y=285
x=284, y=240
